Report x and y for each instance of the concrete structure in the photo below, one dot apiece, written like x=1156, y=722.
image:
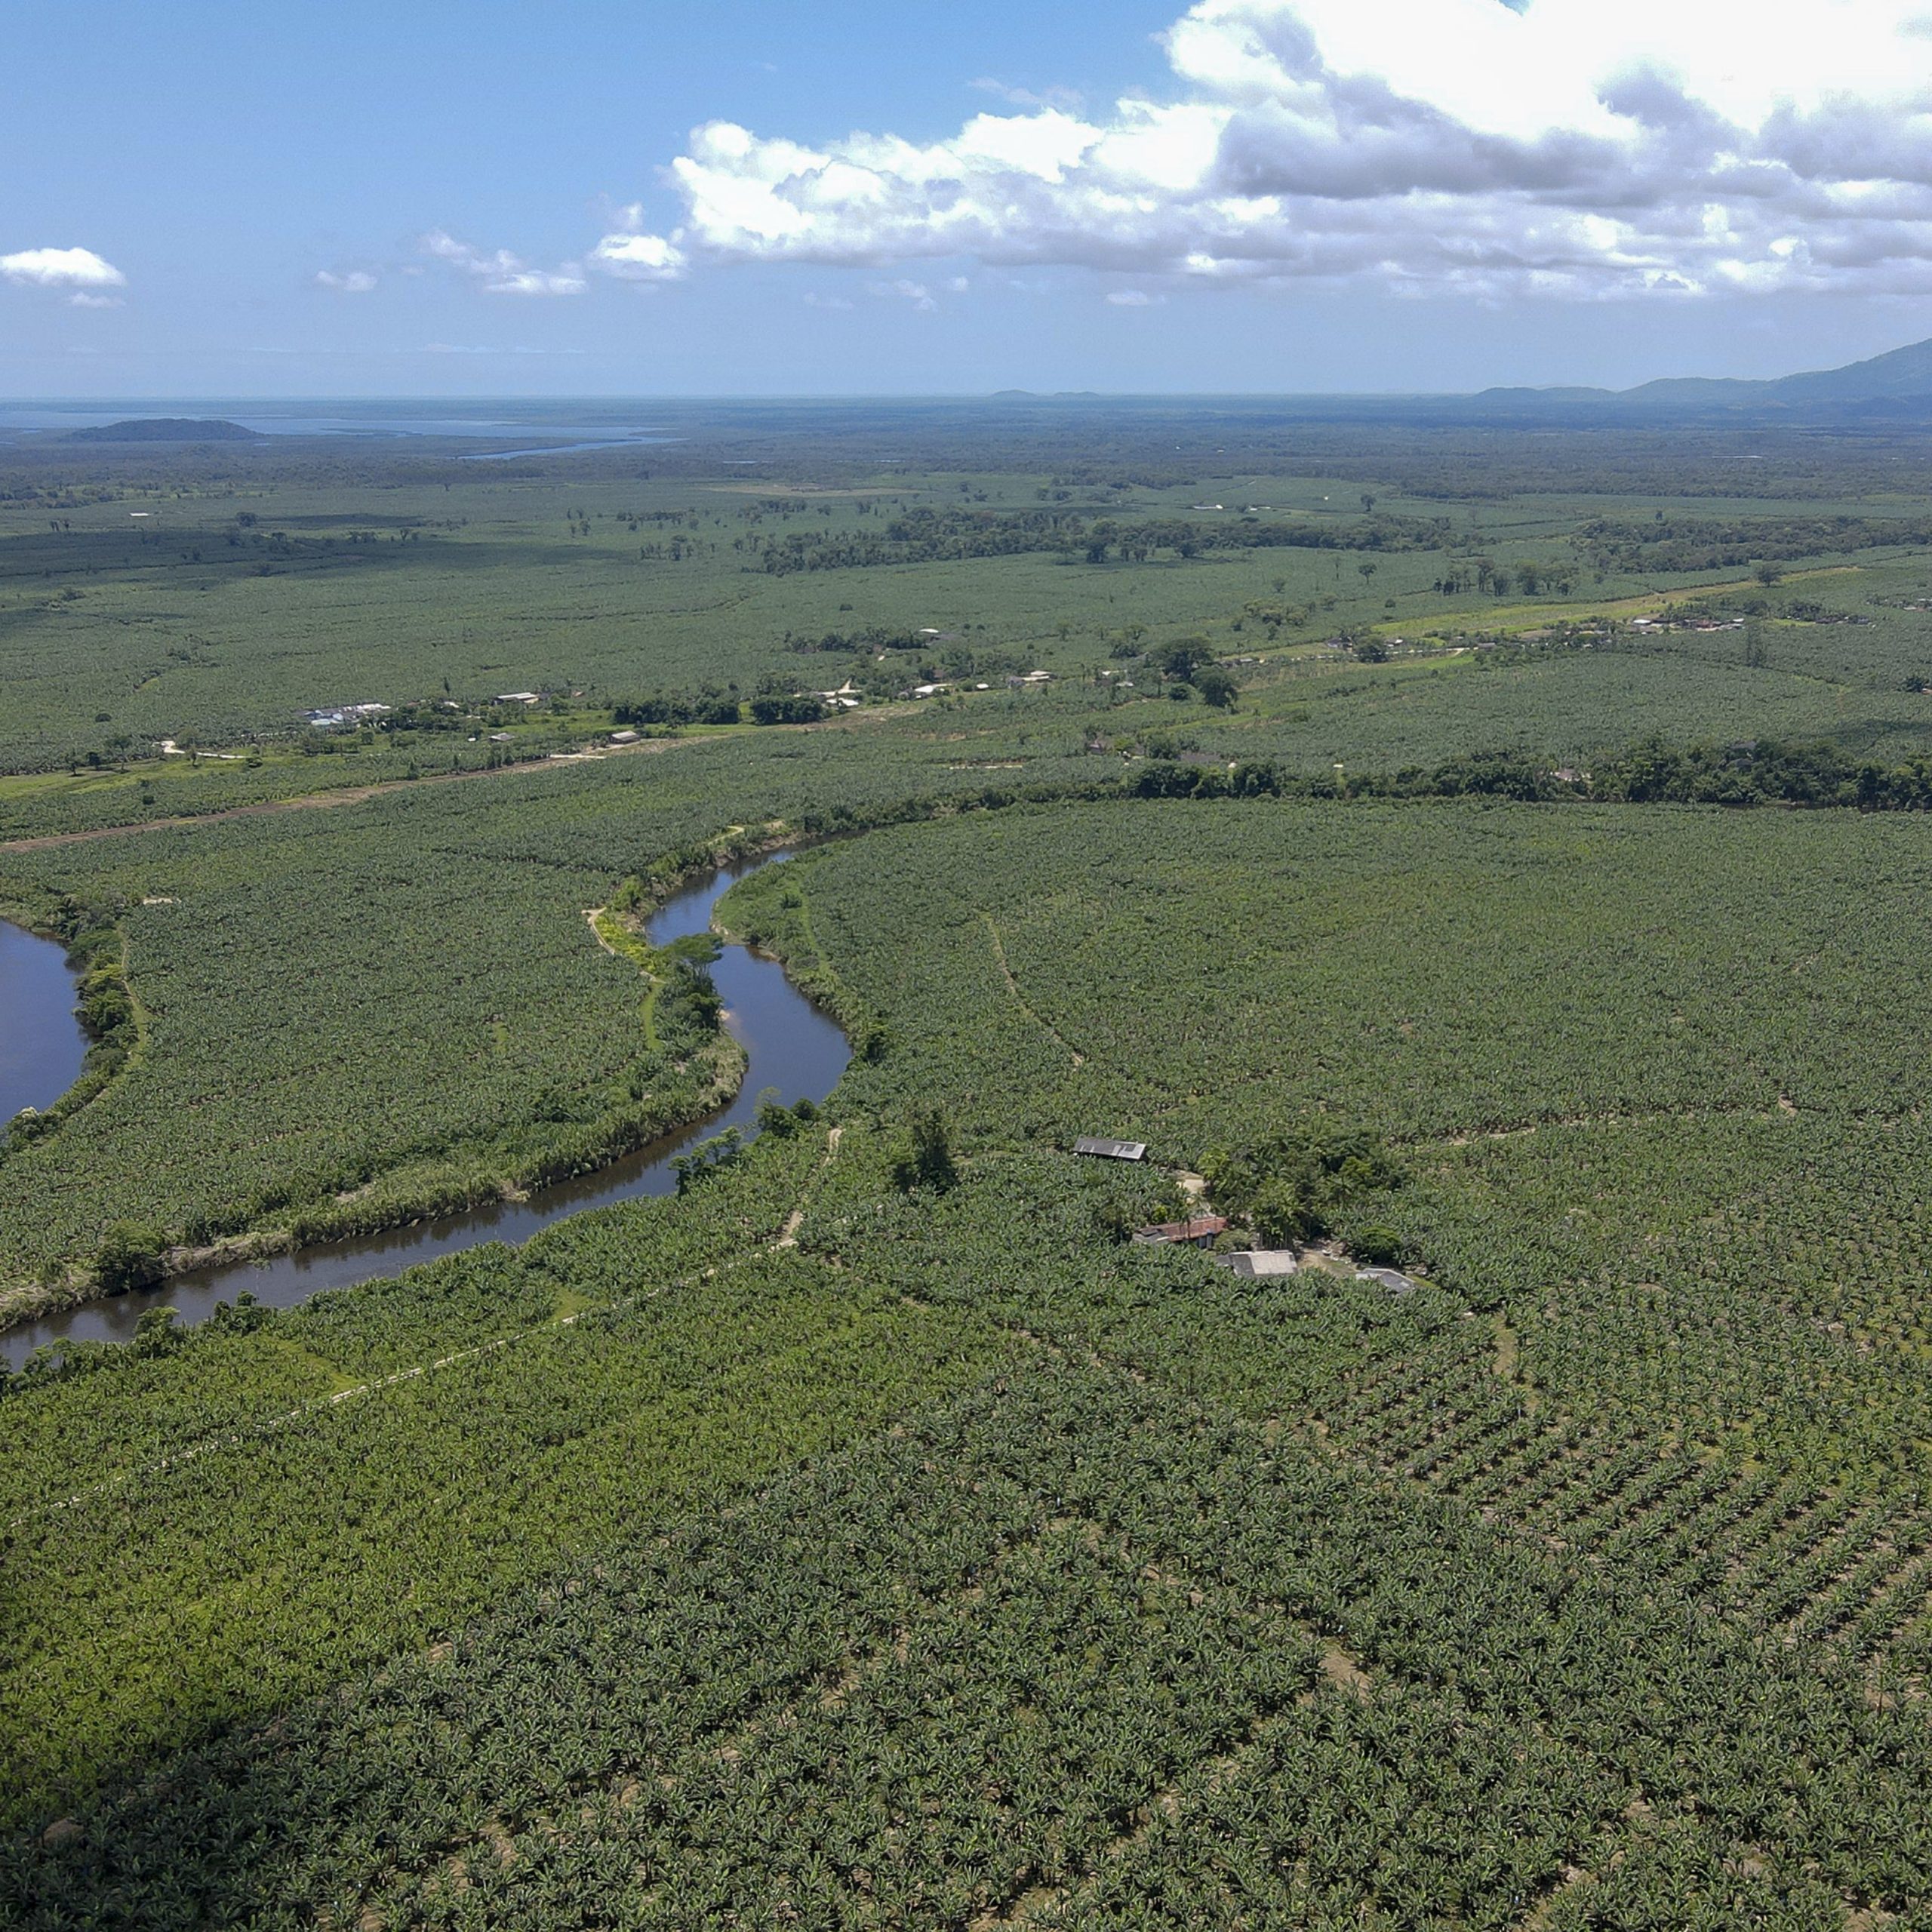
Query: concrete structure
x=1260, y=1264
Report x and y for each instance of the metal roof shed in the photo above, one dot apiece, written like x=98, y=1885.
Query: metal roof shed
x=1392, y=1279
x=1196, y=1233
x=1112, y=1150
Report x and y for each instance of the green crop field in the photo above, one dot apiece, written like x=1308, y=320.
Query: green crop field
x=873, y=1533
x=348, y=1014
x=1658, y=1073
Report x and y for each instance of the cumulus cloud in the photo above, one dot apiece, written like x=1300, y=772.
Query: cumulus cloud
x=1560, y=147
x=349, y=281
x=502, y=273
x=633, y=257
x=79, y=270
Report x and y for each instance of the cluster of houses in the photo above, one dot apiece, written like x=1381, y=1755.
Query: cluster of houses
x=1028, y=680
x=1665, y=623
x=335, y=717
x=1203, y=1230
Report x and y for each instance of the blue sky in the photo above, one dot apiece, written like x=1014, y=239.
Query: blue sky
x=475, y=197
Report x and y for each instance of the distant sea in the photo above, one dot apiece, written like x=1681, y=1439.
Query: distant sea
x=586, y=426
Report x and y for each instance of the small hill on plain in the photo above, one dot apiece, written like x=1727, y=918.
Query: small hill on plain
x=167, y=429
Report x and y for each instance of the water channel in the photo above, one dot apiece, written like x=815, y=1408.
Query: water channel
x=793, y=1051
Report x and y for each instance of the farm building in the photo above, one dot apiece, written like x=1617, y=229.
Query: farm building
x=1259, y=1264
x=1112, y=1150
x=518, y=697
x=1196, y=1233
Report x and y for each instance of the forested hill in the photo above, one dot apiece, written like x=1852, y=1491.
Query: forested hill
x=1901, y=379
x=166, y=429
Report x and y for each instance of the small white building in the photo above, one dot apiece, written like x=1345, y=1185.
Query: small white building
x=330, y=716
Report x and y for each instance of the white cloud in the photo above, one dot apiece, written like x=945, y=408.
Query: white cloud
x=503, y=273
x=1065, y=97
x=633, y=257
x=1560, y=147
x=350, y=281
x=85, y=300
x=1132, y=298
x=78, y=269
x=916, y=293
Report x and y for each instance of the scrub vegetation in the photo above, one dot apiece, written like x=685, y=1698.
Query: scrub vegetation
x=1501, y=861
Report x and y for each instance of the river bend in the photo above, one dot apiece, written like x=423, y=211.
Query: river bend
x=792, y=1049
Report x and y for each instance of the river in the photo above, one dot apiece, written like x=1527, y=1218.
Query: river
x=791, y=1047
x=41, y=1045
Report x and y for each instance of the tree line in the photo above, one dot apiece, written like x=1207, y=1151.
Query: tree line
x=921, y=536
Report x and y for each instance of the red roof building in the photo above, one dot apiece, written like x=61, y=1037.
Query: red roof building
x=1196, y=1233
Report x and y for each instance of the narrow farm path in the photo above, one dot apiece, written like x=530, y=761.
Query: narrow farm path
x=357, y=795
x=795, y=1219
x=1784, y=1108
x=1019, y=999
x=309, y=801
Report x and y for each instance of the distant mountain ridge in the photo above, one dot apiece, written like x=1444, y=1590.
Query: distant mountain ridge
x=1899, y=375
